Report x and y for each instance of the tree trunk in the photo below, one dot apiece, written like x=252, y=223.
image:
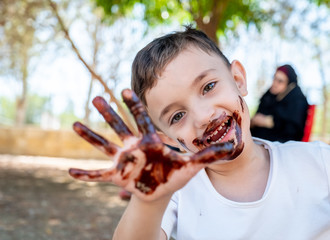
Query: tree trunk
x=20, y=111
x=21, y=100
x=210, y=27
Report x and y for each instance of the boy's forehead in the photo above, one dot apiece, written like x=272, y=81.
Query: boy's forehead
x=191, y=54
x=196, y=50
x=190, y=57
x=181, y=73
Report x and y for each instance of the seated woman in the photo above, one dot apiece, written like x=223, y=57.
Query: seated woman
x=282, y=111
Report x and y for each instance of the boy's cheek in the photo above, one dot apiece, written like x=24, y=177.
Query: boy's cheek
x=185, y=146
x=167, y=140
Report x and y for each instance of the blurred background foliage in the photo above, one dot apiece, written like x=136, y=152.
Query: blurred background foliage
x=98, y=39
x=213, y=17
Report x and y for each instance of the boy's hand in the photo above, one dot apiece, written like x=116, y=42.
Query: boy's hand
x=144, y=166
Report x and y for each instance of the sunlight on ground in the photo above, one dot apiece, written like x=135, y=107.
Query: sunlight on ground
x=57, y=163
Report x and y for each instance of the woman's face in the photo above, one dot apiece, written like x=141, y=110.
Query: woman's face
x=280, y=83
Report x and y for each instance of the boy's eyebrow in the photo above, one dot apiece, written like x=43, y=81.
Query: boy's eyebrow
x=201, y=76
x=165, y=110
x=196, y=80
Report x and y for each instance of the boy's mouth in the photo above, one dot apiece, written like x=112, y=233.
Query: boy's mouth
x=219, y=130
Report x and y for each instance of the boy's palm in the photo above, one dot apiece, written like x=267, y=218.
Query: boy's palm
x=144, y=166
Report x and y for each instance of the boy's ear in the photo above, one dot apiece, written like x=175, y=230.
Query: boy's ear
x=168, y=141
x=239, y=75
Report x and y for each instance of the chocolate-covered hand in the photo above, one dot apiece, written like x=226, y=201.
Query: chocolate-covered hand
x=144, y=166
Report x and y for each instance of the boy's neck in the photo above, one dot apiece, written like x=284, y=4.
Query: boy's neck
x=245, y=178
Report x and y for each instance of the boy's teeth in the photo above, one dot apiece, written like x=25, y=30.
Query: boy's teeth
x=216, y=131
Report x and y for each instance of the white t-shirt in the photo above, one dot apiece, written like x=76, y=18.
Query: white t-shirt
x=295, y=205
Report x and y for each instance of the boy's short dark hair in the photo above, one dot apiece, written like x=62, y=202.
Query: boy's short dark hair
x=153, y=58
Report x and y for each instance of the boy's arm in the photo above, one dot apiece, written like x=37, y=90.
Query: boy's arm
x=144, y=166
x=142, y=220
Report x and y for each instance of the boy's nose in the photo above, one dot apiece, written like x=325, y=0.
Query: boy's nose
x=202, y=116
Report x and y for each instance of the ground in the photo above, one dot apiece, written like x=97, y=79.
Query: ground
x=39, y=200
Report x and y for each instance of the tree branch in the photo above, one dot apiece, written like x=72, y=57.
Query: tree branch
x=113, y=99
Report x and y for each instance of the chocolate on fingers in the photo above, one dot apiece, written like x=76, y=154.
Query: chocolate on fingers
x=136, y=107
x=96, y=140
x=112, y=118
x=102, y=175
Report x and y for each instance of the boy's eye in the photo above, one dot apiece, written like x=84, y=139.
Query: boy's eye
x=177, y=117
x=208, y=87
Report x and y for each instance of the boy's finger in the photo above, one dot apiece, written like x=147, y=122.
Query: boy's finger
x=215, y=152
x=102, y=175
x=143, y=121
x=112, y=118
x=96, y=140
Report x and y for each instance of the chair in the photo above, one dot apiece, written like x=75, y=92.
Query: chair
x=309, y=123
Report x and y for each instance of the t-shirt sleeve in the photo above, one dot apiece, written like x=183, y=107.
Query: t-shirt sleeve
x=170, y=217
x=325, y=153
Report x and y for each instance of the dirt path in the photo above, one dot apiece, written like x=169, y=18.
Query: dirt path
x=39, y=200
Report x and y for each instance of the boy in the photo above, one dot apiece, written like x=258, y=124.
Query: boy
x=228, y=185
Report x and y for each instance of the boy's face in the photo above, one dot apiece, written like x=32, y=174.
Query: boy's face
x=198, y=101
